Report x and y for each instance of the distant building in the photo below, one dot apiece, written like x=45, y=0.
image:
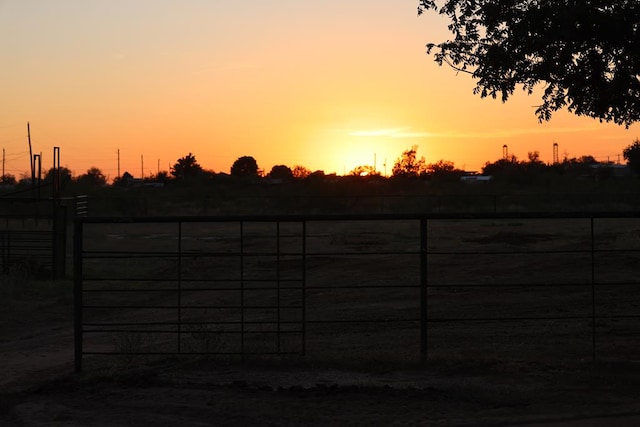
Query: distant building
x=127, y=180
x=617, y=170
x=475, y=177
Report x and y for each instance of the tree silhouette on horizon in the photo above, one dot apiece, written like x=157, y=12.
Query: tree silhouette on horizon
x=186, y=167
x=632, y=155
x=408, y=165
x=245, y=166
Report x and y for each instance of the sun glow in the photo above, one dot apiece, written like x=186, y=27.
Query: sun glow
x=226, y=79
x=378, y=148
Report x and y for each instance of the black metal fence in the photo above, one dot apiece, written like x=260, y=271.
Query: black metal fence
x=33, y=236
x=305, y=202
x=382, y=287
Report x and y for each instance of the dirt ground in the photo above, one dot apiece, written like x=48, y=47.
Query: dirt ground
x=462, y=383
x=39, y=388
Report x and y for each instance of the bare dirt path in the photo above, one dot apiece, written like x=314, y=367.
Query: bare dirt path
x=38, y=388
x=44, y=391
x=35, y=355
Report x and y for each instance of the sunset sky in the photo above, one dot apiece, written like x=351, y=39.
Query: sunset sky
x=328, y=85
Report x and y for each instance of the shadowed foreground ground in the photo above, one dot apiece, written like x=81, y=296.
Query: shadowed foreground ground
x=205, y=392
x=38, y=387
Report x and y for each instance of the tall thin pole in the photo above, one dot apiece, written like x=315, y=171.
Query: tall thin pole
x=56, y=174
x=3, y=164
x=37, y=162
x=31, y=162
x=158, y=172
x=423, y=289
x=77, y=296
x=118, y=163
x=30, y=151
x=142, y=166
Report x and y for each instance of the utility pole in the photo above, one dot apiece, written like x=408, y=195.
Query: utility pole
x=30, y=150
x=37, y=161
x=33, y=171
x=3, y=164
x=142, y=166
x=158, y=172
x=118, y=163
x=56, y=174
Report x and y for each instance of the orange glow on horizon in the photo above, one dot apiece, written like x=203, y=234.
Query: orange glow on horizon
x=227, y=79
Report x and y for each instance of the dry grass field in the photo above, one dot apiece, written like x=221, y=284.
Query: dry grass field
x=510, y=335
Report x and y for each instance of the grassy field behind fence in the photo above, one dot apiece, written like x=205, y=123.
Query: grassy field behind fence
x=512, y=288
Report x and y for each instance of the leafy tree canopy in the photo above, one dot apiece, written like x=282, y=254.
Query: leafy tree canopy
x=186, y=167
x=65, y=175
x=163, y=177
x=364, y=170
x=632, y=155
x=245, y=166
x=509, y=163
x=586, y=54
x=93, y=178
x=442, y=168
x=281, y=172
x=8, y=179
x=408, y=164
x=300, y=172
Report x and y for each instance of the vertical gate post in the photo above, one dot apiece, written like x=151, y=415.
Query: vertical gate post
x=423, y=289
x=59, y=242
x=77, y=294
x=242, y=349
x=304, y=287
x=278, y=311
x=593, y=292
x=179, y=313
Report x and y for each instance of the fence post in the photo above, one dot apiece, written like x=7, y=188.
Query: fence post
x=4, y=238
x=77, y=294
x=593, y=292
x=278, y=284
x=423, y=289
x=180, y=287
x=304, y=287
x=242, y=355
x=59, y=242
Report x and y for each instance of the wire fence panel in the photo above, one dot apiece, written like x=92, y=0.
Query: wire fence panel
x=355, y=287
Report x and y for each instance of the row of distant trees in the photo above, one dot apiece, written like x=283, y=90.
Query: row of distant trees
x=408, y=165
x=94, y=177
